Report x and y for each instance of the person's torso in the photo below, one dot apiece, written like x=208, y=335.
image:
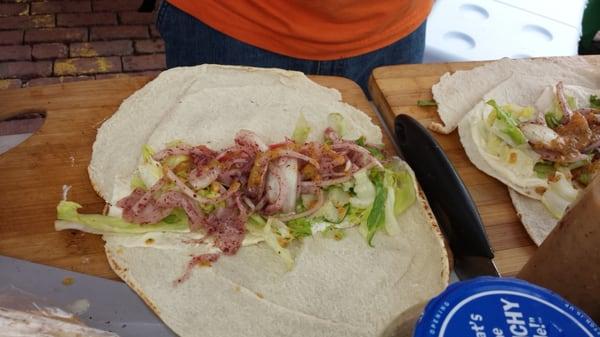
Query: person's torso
x=308, y=29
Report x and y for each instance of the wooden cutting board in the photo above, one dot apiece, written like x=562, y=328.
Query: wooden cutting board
x=395, y=90
x=32, y=175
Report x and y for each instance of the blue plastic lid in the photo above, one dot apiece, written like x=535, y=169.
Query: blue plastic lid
x=502, y=307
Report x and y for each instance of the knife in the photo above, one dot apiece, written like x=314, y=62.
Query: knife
x=107, y=305
x=450, y=201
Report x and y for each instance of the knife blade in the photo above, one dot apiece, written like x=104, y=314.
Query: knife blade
x=448, y=197
x=113, y=306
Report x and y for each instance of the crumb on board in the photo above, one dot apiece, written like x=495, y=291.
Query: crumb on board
x=67, y=281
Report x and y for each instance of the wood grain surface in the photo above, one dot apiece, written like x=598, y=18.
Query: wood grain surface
x=395, y=90
x=32, y=175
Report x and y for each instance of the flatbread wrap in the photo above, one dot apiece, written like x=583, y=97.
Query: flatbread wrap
x=457, y=93
x=247, y=201
x=539, y=137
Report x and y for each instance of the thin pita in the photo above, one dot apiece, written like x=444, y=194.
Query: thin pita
x=456, y=94
x=525, y=91
x=337, y=288
x=538, y=222
x=520, y=90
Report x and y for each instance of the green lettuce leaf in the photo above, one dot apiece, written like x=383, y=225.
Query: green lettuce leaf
x=376, y=218
x=375, y=151
x=552, y=119
x=426, y=102
x=544, y=169
x=300, y=228
x=507, y=124
x=69, y=218
x=595, y=102
x=301, y=131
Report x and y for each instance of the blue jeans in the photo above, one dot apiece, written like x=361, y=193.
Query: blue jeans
x=188, y=42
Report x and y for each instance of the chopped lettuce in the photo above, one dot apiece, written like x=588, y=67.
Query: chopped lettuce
x=300, y=228
x=301, y=131
x=584, y=178
x=552, y=119
x=336, y=121
x=544, y=169
x=571, y=102
x=391, y=220
x=507, y=125
x=338, y=196
x=376, y=218
x=357, y=215
x=554, y=116
x=332, y=213
x=364, y=190
x=137, y=182
x=69, y=218
x=594, y=102
x=404, y=189
x=426, y=102
x=173, y=161
x=150, y=171
x=559, y=195
x=272, y=234
x=334, y=233
x=522, y=114
x=374, y=150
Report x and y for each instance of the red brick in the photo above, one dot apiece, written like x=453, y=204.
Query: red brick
x=55, y=80
x=154, y=31
x=14, y=9
x=144, y=62
x=10, y=84
x=56, y=35
x=49, y=51
x=150, y=46
x=86, y=19
x=89, y=65
x=116, y=5
x=150, y=73
x=101, y=48
x=11, y=37
x=15, y=53
x=27, y=22
x=52, y=7
x=25, y=69
x=136, y=18
x=118, y=32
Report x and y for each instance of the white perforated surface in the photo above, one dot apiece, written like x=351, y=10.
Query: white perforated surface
x=468, y=30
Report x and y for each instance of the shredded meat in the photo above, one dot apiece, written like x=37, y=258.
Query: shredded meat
x=218, y=190
x=575, y=137
x=228, y=226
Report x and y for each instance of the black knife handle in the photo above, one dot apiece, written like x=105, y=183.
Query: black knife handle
x=450, y=201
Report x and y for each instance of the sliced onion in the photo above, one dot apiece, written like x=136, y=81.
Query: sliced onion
x=537, y=133
x=247, y=138
x=562, y=102
x=172, y=151
x=205, y=177
x=356, y=148
x=308, y=212
x=185, y=189
x=297, y=155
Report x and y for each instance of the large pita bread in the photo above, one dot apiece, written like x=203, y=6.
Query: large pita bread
x=336, y=288
x=457, y=93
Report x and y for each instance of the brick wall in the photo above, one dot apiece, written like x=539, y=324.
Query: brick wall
x=55, y=41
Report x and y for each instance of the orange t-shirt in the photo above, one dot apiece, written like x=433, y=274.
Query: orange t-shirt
x=312, y=29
